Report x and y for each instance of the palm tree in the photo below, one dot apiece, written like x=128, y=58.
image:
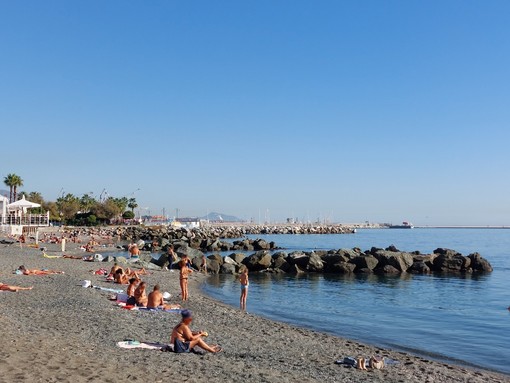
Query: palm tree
x=13, y=181
x=132, y=204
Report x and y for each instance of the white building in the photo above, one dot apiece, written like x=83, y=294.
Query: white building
x=15, y=218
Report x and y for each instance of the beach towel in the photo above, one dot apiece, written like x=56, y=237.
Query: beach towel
x=136, y=308
x=51, y=256
x=116, y=291
x=133, y=344
x=349, y=361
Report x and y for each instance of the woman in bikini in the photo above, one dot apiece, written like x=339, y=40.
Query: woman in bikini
x=141, y=295
x=26, y=271
x=185, y=272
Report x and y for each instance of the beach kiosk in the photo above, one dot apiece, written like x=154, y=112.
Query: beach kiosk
x=17, y=218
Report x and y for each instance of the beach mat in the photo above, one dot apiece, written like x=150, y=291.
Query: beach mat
x=130, y=344
x=135, y=345
x=136, y=308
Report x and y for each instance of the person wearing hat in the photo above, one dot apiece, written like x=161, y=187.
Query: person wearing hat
x=184, y=340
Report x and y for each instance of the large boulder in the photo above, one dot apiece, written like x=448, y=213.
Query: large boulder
x=364, y=261
x=398, y=260
x=419, y=267
x=218, y=258
x=229, y=261
x=280, y=262
x=228, y=268
x=315, y=263
x=450, y=261
x=258, y=261
x=213, y=267
x=388, y=269
x=340, y=268
x=237, y=257
x=298, y=258
x=260, y=244
x=479, y=264
x=162, y=261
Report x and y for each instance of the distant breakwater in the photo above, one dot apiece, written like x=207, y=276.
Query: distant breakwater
x=209, y=238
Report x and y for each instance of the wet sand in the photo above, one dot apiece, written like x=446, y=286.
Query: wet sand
x=61, y=332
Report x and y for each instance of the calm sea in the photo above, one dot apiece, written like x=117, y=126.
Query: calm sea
x=461, y=319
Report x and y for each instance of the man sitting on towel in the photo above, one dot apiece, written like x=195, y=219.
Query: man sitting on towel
x=184, y=340
x=155, y=301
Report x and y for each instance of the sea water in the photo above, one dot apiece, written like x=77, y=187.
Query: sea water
x=462, y=319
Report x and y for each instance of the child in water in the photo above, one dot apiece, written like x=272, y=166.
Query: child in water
x=243, y=278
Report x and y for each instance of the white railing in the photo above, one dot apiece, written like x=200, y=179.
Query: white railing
x=26, y=220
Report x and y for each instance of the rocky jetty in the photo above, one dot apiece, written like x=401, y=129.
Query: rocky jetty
x=209, y=238
x=344, y=261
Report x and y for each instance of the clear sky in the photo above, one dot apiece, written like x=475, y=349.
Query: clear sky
x=348, y=110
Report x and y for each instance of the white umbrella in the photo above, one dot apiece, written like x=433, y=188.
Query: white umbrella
x=22, y=204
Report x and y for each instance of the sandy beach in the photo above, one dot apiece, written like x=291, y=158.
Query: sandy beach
x=61, y=332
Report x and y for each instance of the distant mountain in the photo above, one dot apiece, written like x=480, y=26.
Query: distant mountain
x=5, y=193
x=218, y=217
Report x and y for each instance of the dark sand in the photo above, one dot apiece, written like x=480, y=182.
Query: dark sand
x=61, y=332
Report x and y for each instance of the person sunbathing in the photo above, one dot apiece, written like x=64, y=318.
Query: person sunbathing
x=184, y=339
x=72, y=256
x=114, y=269
x=133, y=273
x=14, y=289
x=26, y=271
x=156, y=301
x=120, y=277
x=141, y=295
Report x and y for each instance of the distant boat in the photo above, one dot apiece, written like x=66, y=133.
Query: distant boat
x=405, y=225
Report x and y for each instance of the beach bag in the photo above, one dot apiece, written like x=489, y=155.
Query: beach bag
x=86, y=284
x=98, y=258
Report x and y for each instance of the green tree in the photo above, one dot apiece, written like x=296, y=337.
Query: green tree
x=52, y=207
x=128, y=214
x=13, y=181
x=86, y=203
x=68, y=206
x=132, y=204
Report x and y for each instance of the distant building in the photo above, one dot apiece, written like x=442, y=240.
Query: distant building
x=189, y=223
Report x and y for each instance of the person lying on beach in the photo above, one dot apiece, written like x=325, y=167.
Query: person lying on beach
x=114, y=268
x=72, y=257
x=133, y=273
x=120, y=277
x=141, y=295
x=14, y=289
x=26, y=271
x=184, y=339
x=155, y=301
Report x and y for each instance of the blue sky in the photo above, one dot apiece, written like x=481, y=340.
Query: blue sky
x=350, y=110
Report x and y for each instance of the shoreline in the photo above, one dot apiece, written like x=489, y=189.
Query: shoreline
x=397, y=349
x=76, y=329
